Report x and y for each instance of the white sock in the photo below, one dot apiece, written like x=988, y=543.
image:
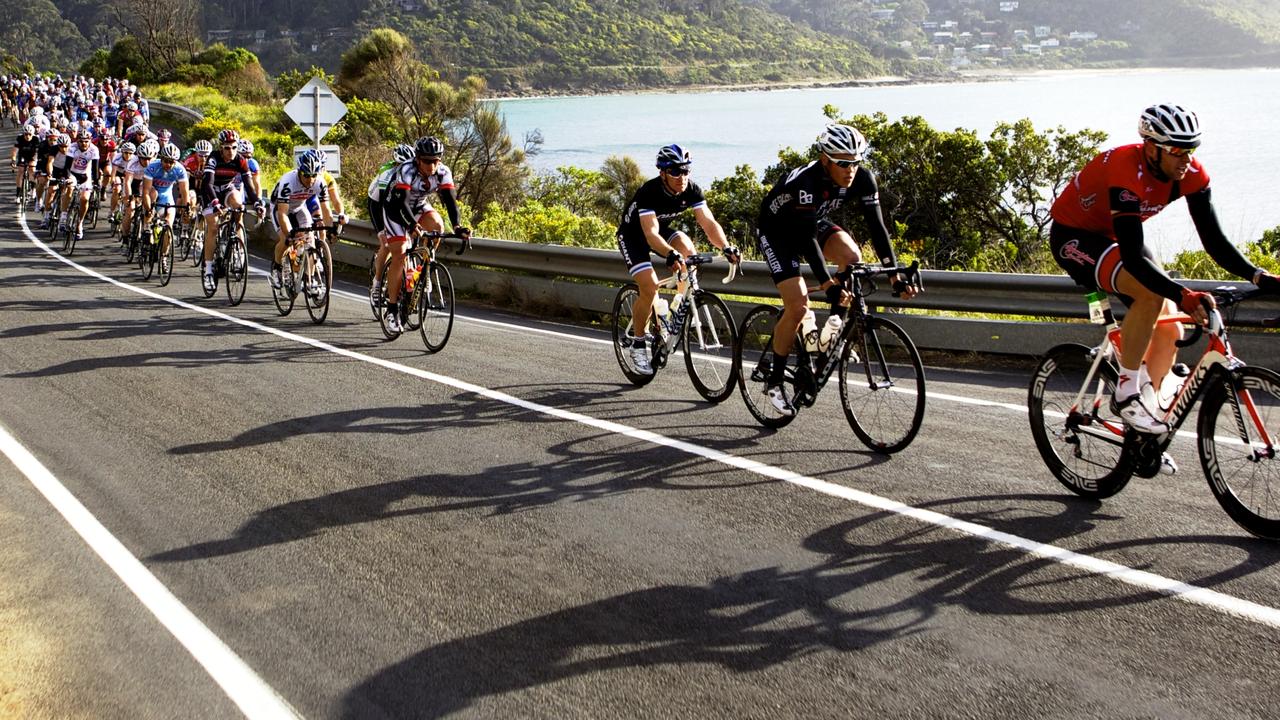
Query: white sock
x=1129, y=383
x=208, y=267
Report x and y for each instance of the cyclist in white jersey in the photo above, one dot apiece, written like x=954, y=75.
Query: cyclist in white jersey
x=83, y=170
x=289, y=204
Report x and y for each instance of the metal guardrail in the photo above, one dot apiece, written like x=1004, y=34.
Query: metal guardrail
x=179, y=111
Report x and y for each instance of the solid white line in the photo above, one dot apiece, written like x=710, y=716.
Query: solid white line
x=249, y=692
x=1204, y=597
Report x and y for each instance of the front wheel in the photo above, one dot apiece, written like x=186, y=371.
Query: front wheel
x=882, y=386
x=319, y=265
x=1082, y=443
x=237, y=268
x=709, y=339
x=623, y=303
x=1238, y=429
x=166, y=255
x=434, y=293
x=753, y=362
x=150, y=253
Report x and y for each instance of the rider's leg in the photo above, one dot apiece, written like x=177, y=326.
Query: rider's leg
x=647, y=282
x=684, y=246
x=795, y=305
x=1140, y=339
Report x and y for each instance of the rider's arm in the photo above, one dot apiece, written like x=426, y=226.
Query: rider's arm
x=1214, y=240
x=450, y=205
x=146, y=194
x=869, y=199
x=710, y=226
x=1126, y=221
x=206, y=185
x=649, y=226
x=93, y=170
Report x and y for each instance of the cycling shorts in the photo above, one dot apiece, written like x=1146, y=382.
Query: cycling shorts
x=395, y=229
x=1091, y=259
x=84, y=181
x=783, y=260
x=135, y=187
x=636, y=251
x=300, y=218
x=221, y=196
x=59, y=173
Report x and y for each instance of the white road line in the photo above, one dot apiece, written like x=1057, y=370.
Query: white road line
x=1211, y=599
x=249, y=692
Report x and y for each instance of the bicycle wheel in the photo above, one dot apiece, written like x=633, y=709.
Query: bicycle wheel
x=709, y=338
x=623, y=302
x=237, y=268
x=1083, y=446
x=882, y=386
x=753, y=361
x=435, y=306
x=320, y=282
x=91, y=219
x=149, y=254
x=282, y=298
x=1238, y=429
x=197, y=243
x=165, y=262
x=68, y=239
x=415, y=264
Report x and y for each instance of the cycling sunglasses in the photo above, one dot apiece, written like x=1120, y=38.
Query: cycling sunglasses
x=843, y=163
x=1177, y=151
x=678, y=171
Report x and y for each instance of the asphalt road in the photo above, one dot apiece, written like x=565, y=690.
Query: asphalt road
x=377, y=532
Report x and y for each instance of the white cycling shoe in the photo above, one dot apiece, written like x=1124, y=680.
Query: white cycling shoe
x=1135, y=414
x=778, y=396
x=640, y=357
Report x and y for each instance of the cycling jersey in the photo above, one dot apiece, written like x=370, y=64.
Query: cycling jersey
x=290, y=190
x=1110, y=198
x=164, y=180
x=83, y=162
x=118, y=162
x=404, y=198
x=27, y=149
x=795, y=219
x=220, y=177
x=254, y=169
x=653, y=199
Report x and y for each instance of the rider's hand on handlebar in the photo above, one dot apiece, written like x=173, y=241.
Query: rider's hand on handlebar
x=731, y=253
x=845, y=297
x=1268, y=283
x=674, y=261
x=902, y=288
x=1197, y=304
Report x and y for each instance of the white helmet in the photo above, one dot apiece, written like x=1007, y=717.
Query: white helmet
x=149, y=149
x=1169, y=124
x=169, y=151
x=843, y=140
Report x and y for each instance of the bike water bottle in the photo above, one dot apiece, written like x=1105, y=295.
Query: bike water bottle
x=1099, y=307
x=809, y=331
x=830, y=331
x=661, y=307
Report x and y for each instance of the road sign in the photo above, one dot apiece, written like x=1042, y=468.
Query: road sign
x=315, y=108
x=332, y=157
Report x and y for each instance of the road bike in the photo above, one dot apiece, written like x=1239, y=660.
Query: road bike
x=698, y=321
x=55, y=204
x=76, y=220
x=158, y=246
x=132, y=238
x=307, y=269
x=1090, y=451
x=230, y=257
x=26, y=191
x=95, y=204
x=882, y=381
x=426, y=294
x=189, y=235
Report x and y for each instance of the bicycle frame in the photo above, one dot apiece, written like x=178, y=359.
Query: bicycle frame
x=673, y=339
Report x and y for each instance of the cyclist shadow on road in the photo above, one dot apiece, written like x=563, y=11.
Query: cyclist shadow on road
x=878, y=579
x=576, y=471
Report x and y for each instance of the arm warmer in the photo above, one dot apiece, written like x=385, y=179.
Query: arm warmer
x=450, y=205
x=1214, y=240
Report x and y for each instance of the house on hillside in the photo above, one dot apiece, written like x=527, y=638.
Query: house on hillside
x=1008, y=6
x=1043, y=31
x=1085, y=36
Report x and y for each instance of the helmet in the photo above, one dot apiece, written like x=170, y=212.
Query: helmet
x=131, y=105
x=1169, y=124
x=843, y=140
x=128, y=147
x=673, y=156
x=228, y=137
x=28, y=129
x=309, y=163
x=244, y=147
x=84, y=135
x=169, y=151
x=204, y=147
x=428, y=147
x=136, y=128
x=37, y=111
x=402, y=153
x=164, y=135
x=149, y=149
x=63, y=140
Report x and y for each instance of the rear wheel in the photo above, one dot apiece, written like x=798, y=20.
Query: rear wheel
x=150, y=252
x=435, y=306
x=1081, y=444
x=237, y=268
x=882, y=387
x=197, y=243
x=709, y=339
x=1238, y=430
x=753, y=361
x=623, y=303
x=320, y=282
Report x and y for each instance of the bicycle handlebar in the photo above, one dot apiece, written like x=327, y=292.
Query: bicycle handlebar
x=437, y=235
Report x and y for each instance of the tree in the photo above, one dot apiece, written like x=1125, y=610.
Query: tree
x=735, y=201
x=288, y=83
x=165, y=32
x=620, y=178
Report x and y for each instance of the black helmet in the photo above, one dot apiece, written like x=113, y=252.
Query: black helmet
x=428, y=147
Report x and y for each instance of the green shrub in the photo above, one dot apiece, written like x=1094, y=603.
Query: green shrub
x=534, y=222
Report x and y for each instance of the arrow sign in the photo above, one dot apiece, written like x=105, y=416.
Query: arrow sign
x=315, y=109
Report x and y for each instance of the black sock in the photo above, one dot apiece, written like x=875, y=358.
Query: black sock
x=778, y=372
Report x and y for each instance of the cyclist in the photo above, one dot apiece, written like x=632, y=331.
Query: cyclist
x=160, y=178
x=289, y=204
x=194, y=164
x=44, y=154
x=244, y=147
x=331, y=186
x=1097, y=238
x=57, y=172
x=404, y=208
x=794, y=224
x=23, y=156
x=134, y=177
x=646, y=228
x=402, y=153
x=118, y=171
x=218, y=187
x=82, y=168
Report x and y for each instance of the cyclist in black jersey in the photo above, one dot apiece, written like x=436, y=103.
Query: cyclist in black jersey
x=23, y=156
x=794, y=224
x=645, y=229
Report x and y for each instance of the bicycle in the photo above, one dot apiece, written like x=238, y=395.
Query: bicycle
x=707, y=333
x=426, y=296
x=308, y=269
x=55, y=204
x=190, y=238
x=158, y=247
x=1091, y=452
x=69, y=229
x=95, y=204
x=26, y=189
x=230, y=257
x=882, y=381
x=132, y=240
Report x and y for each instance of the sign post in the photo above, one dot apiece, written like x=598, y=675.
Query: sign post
x=315, y=109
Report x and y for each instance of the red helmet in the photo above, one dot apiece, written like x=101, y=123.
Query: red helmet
x=228, y=137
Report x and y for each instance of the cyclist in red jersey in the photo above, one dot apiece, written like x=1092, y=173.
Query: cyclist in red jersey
x=1096, y=237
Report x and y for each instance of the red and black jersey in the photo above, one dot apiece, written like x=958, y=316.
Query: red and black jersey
x=1118, y=182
